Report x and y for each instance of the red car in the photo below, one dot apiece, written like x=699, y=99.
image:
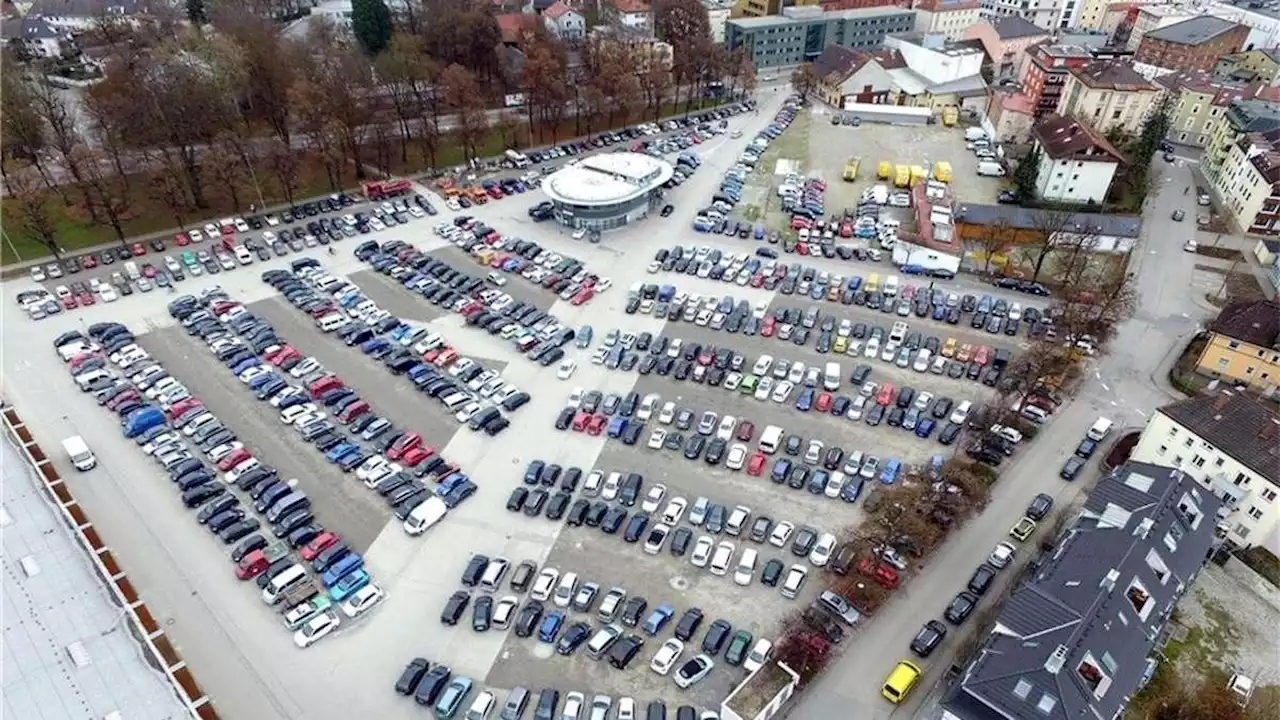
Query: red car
x=353, y=411
x=406, y=442
x=182, y=406
x=596, y=425
x=69, y=303
x=446, y=357
x=886, y=576
x=886, y=395
x=123, y=398
x=823, y=403
x=138, y=249
x=755, y=465
x=583, y=296
x=745, y=430
x=181, y=239
x=982, y=355
x=318, y=544
x=706, y=355
x=148, y=270
x=802, y=248
x=236, y=457
x=581, y=420
x=757, y=280
x=85, y=298
x=846, y=230
x=88, y=262
x=766, y=327
x=415, y=455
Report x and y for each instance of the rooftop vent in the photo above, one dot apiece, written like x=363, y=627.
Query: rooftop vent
x=79, y=654
x=1056, y=660
x=30, y=566
x=5, y=519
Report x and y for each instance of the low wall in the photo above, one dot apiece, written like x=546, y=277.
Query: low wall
x=142, y=625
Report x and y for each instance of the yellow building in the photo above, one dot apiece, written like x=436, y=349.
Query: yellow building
x=1244, y=345
x=1200, y=102
x=1249, y=66
x=1241, y=117
x=765, y=8
x=1109, y=94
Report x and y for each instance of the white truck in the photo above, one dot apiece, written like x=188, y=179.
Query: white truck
x=78, y=450
x=1099, y=429
x=990, y=168
x=974, y=133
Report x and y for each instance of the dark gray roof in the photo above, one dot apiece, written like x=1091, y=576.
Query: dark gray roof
x=1124, y=226
x=34, y=28
x=1013, y=28
x=1139, y=541
x=1193, y=31
x=1240, y=424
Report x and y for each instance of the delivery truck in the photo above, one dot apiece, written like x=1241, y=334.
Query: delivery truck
x=78, y=450
x=950, y=115
x=918, y=174
x=990, y=168
x=942, y=171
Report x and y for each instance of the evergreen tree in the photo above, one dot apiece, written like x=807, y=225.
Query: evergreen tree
x=1024, y=178
x=371, y=24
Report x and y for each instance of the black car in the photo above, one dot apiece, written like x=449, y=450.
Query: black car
x=455, y=607
x=962, y=605
x=475, y=570
x=636, y=527
x=717, y=635
x=613, y=519
x=1039, y=507
x=689, y=623
x=578, y=512
x=634, y=611
x=1072, y=467
x=482, y=613
x=516, y=501
x=982, y=579
x=528, y=619
x=411, y=676
x=681, y=537
x=928, y=639
x=573, y=638
x=432, y=685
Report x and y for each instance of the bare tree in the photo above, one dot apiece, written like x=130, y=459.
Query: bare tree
x=804, y=80
x=401, y=72
x=225, y=164
x=1050, y=226
x=462, y=96
x=102, y=190
x=28, y=200
x=22, y=128
x=802, y=649
x=63, y=135
x=283, y=165
x=165, y=184
x=656, y=85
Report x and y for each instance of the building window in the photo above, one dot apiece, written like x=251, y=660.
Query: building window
x=1162, y=449
x=1268, y=494
x=1090, y=671
x=1022, y=689
x=1188, y=442
x=1198, y=461
x=1139, y=598
x=1047, y=704
x=1157, y=566
x=1241, y=530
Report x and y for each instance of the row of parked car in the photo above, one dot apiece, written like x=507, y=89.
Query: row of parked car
x=729, y=194
x=329, y=415
x=535, y=333
x=473, y=395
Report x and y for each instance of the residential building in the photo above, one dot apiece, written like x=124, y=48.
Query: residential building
x=1250, y=66
x=1076, y=163
x=934, y=246
x=1241, y=117
x=81, y=15
x=1044, y=13
x=1109, y=94
x=762, y=695
x=1107, y=233
x=514, y=27
x=1011, y=115
x=1267, y=253
x=1076, y=639
x=1248, y=184
x=846, y=76
x=717, y=15
x=1227, y=441
x=627, y=14
x=1193, y=44
x=1244, y=346
x=1146, y=18
x=949, y=18
x=1095, y=40
x=1045, y=74
x=1007, y=40
x=1262, y=19
x=800, y=34
x=1201, y=102
x=912, y=69
x=643, y=49
x=35, y=38
x=765, y=8
x=564, y=22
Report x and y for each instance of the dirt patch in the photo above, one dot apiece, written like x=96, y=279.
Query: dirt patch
x=1219, y=253
x=1235, y=287
x=1223, y=626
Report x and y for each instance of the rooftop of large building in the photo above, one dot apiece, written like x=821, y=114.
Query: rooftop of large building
x=607, y=178
x=1193, y=31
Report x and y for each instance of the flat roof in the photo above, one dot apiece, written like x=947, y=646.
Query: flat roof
x=67, y=647
x=758, y=690
x=607, y=178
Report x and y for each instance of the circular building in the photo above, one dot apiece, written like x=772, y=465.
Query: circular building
x=608, y=190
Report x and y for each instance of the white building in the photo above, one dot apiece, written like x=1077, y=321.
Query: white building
x=1229, y=441
x=717, y=15
x=564, y=22
x=934, y=59
x=1047, y=14
x=1076, y=163
x=606, y=191
x=762, y=695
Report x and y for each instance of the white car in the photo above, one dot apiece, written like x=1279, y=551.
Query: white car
x=306, y=367
x=653, y=498
x=764, y=388
x=108, y=294
x=723, y=557
x=822, y=550
x=657, y=439
x=647, y=406
x=545, y=584
x=316, y=629
x=794, y=581
x=362, y=601
x=702, y=551
x=1002, y=555
x=782, y=391
x=504, y=611
x=612, y=485
x=732, y=381
x=575, y=398
x=781, y=533
x=758, y=656
x=667, y=656
x=567, y=367
x=727, y=425
x=762, y=365
x=813, y=453
x=796, y=374
x=668, y=413
x=674, y=510
x=290, y=414
x=737, y=457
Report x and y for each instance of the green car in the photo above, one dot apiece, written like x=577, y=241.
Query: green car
x=188, y=258
x=738, y=648
x=748, y=385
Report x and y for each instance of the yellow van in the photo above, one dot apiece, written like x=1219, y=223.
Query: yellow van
x=873, y=283
x=899, y=683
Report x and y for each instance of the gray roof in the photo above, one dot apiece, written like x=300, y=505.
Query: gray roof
x=1014, y=27
x=62, y=605
x=1123, y=226
x=1140, y=540
x=1240, y=424
x=35, y=28
x=1193, y=31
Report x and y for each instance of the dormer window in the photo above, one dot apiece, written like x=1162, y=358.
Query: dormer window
x=1140, y=598
x=1156, y=563
x=1091, y=672
x=1189, y=510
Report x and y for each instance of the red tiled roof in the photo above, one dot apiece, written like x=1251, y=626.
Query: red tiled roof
x=1069, y=138
x=513, y=25
x=557, y=10
x=630, y=6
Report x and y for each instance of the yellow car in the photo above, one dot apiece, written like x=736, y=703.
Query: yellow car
x=900, y=682
x=949, y=347
x=840, y=345
x=1023, y=530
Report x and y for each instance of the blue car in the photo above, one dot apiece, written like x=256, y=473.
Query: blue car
x=245, y=365
x=294, y=400
x=369, y=347
x=939, y=312
x=349, y=461
x=261, y=380
x=658, y=619
x=781, y=469
x=890, y=472
x=617, y=426
x=349, y=583
x=348, y=564
x=449, y=483
x=459, y=492
x=817, y=292
x=532, y=472
x=339, y=451
x=584, y=336
x=805, y=400
x=550, y=627
x=925, y=427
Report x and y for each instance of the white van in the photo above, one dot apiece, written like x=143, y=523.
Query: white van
x=891, y=285
x=424, y=516
x=1099, y=430
x=81, y=456
x=291, y=577
x=831, y=376
x=331, y=322
x=771, y=439
x=131, y=269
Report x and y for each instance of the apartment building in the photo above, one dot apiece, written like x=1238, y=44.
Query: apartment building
x=1195, y=44
x=1201, y=101
x=950, y=18
x=1242, y=117
x=800, y=34
x=1047, y=14
x=1244, y=345
x=1076, y=639
x=1007, y=41
x=1109, y=94
x=1045, y=73
x=1228, y=442
x=1077, y=164
x=1249, y=66
x=627, y=14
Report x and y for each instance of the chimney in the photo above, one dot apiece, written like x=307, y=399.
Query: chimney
x=1056, y=660
x=1270, y=430
x=1220, y=402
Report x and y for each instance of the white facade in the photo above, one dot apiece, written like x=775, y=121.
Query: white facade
x=908, y=253
x=941, y=64
x=1253, y=505
x=949, y=23
x=567, y=25
x=1041, y=13
x=773, y=680
x=717, y=15
x=1074, y=181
